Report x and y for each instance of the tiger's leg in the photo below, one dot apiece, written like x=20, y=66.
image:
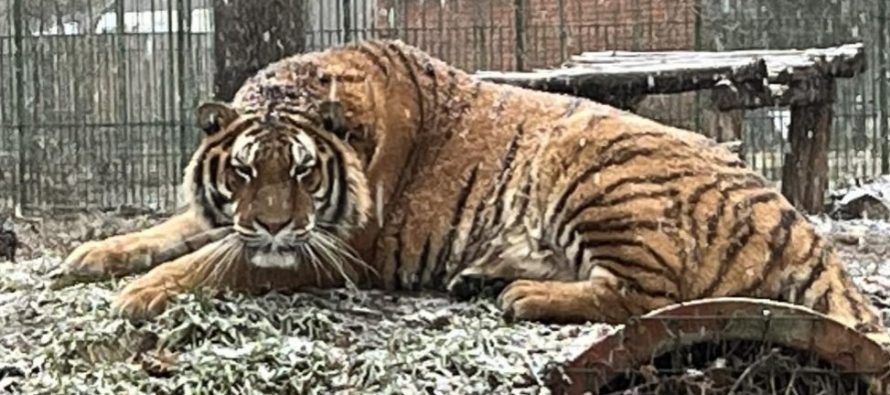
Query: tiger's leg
x=217, y=266
x=136, y=252
x=603, y=298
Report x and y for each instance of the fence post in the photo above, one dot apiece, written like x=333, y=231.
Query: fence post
x=519, y=14
x=883, y=53
x=19, y=61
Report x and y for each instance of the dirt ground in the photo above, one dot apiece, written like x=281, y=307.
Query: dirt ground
x=64, y=341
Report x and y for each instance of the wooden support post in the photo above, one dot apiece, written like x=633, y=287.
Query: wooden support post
x=805, y=171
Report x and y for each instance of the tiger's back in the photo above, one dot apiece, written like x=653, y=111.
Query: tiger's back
x=516, y=184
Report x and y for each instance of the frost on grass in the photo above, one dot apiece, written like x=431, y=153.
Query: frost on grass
x=64, y=341
x=318, y=342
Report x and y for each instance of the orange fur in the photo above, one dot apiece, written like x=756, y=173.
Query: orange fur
x=589, y=212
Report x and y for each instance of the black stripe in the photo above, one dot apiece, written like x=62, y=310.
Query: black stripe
x=403, y=179
x=397, y=259
x=815, y=271
x=523, y=198
x=599, y=198
x=822, y=304
x=662, y=265
x=619, y=224
x=366, y=50
x=343, y=186
x=506, y=172
x=693, y=200
x=422, y=263
x=288, y=110
x=624, y=262
x=854, y=304
x=613, y=266
x=620, y=158
x=741, y=233
x=463, y=195
x=499, y=188
x=580, y=227
x=326, y=203
x=612, y=160
x=779, y=236
x=406, y=62
x=572, y=107
x=713, y=220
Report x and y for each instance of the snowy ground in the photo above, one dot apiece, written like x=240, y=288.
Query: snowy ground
x=63, y=341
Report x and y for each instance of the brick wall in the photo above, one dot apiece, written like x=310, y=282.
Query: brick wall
x=481, y=34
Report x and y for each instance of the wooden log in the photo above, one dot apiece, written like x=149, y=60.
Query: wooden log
x=739, y=79
x=848, y=50
x=843, y=61
x=805, y=171
x=622, y=86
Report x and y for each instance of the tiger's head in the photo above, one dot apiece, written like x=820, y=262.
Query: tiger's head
x=291, y=189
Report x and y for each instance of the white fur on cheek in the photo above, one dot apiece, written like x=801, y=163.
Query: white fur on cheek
x=274, y=259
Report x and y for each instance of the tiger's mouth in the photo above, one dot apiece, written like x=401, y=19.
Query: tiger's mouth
x=317, y=247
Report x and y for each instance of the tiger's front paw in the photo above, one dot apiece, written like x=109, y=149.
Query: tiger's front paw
x=546, y=301
x=116, y=256
x=142, y=299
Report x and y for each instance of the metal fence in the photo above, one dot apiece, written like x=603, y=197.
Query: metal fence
x=96, y=96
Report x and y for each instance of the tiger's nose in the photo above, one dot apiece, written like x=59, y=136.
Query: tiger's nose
x=273, y=227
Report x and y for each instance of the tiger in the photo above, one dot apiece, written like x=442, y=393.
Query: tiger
x=376, y=165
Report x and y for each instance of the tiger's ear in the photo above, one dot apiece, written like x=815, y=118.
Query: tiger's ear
x=215, y=116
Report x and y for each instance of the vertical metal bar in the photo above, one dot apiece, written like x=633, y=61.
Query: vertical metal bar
x=91, y=131
x=422, y=32
x=122, y=100
x=338, y=15
x=404, y=17
x=563, y=33
x=636, y=28
x=19, y=64
x=441, y=23
x=883, y=53
x=519, y=29
x=347, y=20
x=37, y=157
x=697, y=29
x=171, y=101
x=183, y=75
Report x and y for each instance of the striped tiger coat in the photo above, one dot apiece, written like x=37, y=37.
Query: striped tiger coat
x=377, y=165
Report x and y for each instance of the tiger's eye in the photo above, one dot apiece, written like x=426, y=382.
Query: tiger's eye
x=243, y=171
x=310, y=178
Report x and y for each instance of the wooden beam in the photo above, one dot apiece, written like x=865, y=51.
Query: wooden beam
x=623, y=85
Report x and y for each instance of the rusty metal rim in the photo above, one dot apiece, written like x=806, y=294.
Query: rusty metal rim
x=789, y=325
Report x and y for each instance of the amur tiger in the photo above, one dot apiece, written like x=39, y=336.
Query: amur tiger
x=377, y=165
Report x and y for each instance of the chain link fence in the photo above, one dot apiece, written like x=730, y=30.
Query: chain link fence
x=96, y=96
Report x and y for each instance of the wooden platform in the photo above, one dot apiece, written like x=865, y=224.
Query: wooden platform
x=803, y=80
